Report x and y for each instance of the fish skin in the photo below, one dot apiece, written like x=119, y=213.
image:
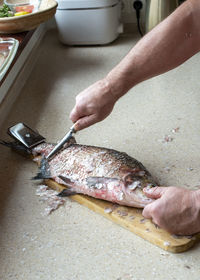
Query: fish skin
x=99, y=172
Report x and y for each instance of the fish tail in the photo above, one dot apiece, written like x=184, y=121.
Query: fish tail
x=44, y=170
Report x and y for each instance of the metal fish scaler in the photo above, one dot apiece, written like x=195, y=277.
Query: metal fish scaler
x=94, y=171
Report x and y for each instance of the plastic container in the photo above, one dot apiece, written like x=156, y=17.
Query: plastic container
x=88, y=22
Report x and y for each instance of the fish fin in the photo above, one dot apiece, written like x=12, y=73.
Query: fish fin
x=66, y=192
x=40, y=176
x=11, y=144
x=17, y=146
x=129, y=178
x=4, y=143
x=66, y=180
x=95, y=181
x=44, y=170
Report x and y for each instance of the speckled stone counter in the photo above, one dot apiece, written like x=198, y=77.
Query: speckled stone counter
x=74, y=242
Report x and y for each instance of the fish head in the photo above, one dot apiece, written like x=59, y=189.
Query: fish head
x=133, y=190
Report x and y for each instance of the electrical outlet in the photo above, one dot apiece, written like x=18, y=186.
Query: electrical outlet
x=143, y=10
x=129, y=13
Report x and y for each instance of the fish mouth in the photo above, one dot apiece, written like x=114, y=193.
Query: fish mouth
x=44, y=170
x=135, y=196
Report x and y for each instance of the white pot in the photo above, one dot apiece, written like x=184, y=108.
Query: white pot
x=88, y=22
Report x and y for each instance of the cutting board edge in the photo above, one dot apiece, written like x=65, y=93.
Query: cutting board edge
x=84, y=200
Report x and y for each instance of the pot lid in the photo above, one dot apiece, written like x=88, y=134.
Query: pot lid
x=85, y=4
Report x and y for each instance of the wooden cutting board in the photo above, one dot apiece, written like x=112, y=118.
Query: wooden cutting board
x=132, y=219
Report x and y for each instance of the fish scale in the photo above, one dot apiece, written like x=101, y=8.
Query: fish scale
x=115, y=176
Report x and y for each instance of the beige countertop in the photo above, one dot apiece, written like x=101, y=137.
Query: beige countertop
x=74, y=242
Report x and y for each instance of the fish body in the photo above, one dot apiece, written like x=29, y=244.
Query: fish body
x=98, y=172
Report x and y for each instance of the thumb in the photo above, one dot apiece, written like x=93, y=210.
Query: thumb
x=74, y=115
x=85, y=122
x=155, y=192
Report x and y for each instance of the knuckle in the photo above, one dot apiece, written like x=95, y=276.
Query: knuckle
x=158, y=220
x=146, y=212
x=77, y=110
x=156, y=214
x=157, y=217
x=79, y=99
x=153, y=211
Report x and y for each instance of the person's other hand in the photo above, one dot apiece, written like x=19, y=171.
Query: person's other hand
x=176, y=210
x=92, y=105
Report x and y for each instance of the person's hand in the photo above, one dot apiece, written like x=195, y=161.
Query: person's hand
x=176, y=210
x=93, y=105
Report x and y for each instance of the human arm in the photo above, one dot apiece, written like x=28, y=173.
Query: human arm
x=168, y=45
x=176, y=210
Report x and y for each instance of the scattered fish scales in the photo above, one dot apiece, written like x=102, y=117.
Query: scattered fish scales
x=190, y=169
x=166, y=243
x=167, y=169
x=108, y=210
x=50, y=197
x=142, y=221
x=167, y=139
x=122, y=213
x=175, y=130
x=131, y=217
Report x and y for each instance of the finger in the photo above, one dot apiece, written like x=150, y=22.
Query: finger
x=74, y=115
x=155, y=192
x=147, y=212
x=85, y=122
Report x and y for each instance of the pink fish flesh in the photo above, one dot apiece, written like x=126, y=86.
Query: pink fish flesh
x=99, y=172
